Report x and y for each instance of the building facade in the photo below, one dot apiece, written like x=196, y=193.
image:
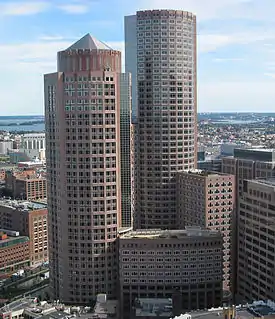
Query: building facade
x=185, y=265
x=5, y=146
x=82, y=110
x=208, y=200
x=125, y=148
x=211, y=165
x=256, y=237
x=33, y=141
x=26, y=183
x=167, y=110
x=249, y=164
x=33, y=145
x=29, y=219
x=14, y=254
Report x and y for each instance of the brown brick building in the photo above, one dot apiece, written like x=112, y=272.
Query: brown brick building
x=28, y=184
x=29, y=219
x=207, y=199
x=14, y=253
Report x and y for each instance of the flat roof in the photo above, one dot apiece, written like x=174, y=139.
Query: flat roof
x=191, y=231
x=22, y=204
x=154, y=307
x=4, y=165
x=202, y=172
x=268, y=150
x=260, y=309
x=269, y=181
x=108, y=307
x=31, y=163
x=10, y=241
x=17, y=305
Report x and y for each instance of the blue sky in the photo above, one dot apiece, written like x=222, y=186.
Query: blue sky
x=236, y=47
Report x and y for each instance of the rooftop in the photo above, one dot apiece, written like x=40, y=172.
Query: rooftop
x=191, y=231
x=103, y=308
x=29, y=307
x=269, y=181
x=10, y=241
x=89, y=42
x=26, y=135
x=31, y=163
x=17, y=305
x=260, y=309
x=22, y=204
x=201, y=172
x=154, y=307
x=30, y=175
x=268, y=150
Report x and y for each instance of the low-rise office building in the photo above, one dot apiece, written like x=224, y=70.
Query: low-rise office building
x=29, y=219
x=14, y=252
x=185, y=265
x=26, y=183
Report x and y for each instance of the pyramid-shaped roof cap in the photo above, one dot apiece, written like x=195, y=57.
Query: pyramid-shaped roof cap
x=90, y=43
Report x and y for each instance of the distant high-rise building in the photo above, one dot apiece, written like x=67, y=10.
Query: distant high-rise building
x=82, y=111
x=208, y=200
x=130, y=37
x=161, y=51
x=126, y=151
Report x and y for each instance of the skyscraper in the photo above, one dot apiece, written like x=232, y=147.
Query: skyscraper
x=126, y=152
x=82, y=114
x=166, y=109
x=130, y=38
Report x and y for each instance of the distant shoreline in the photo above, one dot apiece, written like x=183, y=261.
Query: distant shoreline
x=29, y=123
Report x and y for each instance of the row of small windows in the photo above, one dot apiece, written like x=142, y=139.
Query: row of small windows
x=165, y=21
x=89, y=78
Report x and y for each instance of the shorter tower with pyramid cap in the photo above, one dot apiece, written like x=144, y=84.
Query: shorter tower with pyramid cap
x=89, y=53
x=89, y=42
x=82, y=112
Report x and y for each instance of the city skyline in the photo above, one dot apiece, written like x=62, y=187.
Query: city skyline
x=235, y=48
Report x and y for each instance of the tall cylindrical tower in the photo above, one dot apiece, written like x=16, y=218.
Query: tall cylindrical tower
x=167, y=112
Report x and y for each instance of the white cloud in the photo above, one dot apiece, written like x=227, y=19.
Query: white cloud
x=24, y=66
x=74, y=8
x=212, y=42
x=228, y=60
x=235, y=96
x=36, y=51
x=51, y=38
x=23, y=8
x=18, y=8
x=204, y=10
x=271, y=75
